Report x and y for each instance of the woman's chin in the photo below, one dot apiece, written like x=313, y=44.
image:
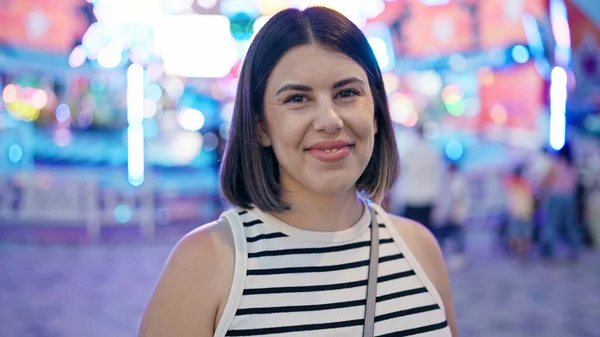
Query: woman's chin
x=333, y=188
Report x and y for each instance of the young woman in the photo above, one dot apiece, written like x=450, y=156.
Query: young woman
x=311, y=141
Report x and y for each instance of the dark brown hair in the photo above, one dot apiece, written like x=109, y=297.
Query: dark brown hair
x=250, y=172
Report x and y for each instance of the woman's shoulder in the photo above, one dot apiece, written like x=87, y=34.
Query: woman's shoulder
x=208, y=241
x=426, y=250
x=194, y=284
x=421, y=242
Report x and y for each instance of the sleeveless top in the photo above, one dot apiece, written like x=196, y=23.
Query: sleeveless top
x=293, y=282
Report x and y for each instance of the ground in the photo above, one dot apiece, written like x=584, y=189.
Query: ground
x=100, y=290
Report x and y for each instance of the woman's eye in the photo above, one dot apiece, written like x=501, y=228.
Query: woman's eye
x=295, y=99
x=348, y=93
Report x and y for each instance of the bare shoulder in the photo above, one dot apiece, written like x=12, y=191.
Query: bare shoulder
x=193, y=286
x=417, y=235
x=424, y=246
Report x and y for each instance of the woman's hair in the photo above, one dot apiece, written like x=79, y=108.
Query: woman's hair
x=249, y=171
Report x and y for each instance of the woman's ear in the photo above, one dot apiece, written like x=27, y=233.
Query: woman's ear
x=263, y=136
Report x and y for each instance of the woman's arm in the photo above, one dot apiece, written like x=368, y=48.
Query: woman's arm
x=193, y=286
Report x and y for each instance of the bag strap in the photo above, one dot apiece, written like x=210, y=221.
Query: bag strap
x=369, y=326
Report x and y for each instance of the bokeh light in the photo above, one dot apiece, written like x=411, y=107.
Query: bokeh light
x=77, y=57
x=454, y=150
x=15, y=153
x=211, y=141
x=520, y=54
x=39, y=99
x=207, y=4
x=10, y=93
x=123, y=214
x=403, y=111
x=486, y=76
x=62, y=137
x=190, y=119
x=452, y=96
x=63, y=113
x=498, y=114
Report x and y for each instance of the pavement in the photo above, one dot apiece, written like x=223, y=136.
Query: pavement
x=101, y=289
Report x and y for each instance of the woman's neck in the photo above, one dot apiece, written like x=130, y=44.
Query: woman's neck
x=322, y=213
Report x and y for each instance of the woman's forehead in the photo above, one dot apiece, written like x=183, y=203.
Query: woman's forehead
x=316, y=65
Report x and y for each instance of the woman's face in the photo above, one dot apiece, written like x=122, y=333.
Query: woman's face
x=319, y=118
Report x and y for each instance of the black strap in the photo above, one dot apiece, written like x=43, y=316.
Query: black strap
x=369, y=327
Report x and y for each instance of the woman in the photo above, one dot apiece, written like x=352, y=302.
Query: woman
x=311, y=133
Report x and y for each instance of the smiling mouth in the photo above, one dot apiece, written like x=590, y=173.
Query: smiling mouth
x=332, y=154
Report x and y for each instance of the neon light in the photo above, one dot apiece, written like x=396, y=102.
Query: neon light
x=558, y=103
x=558, y=84
x=562, y=34
x=135, y=154
x=135, y=117
x=135, y=94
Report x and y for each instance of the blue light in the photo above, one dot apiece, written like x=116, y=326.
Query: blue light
x=135, y=131
x=123, y=214
x=454, y=150
x=135, y=154
x=150, y=128
x=380, y=40
x=154, y=92
x=232, y=7
x=15, y=153
x=536, y=45
x=520, y=54
x=63, y=113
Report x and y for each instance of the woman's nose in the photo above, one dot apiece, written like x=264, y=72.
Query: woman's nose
x=327, y=119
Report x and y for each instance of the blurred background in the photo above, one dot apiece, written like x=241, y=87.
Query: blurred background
x=114, y=115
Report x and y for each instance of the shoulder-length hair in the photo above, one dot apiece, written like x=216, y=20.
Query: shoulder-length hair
x=249, y=171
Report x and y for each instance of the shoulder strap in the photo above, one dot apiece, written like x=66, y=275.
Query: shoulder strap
x=232, y=220
x=369, y=328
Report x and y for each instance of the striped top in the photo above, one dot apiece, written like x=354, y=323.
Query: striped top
x=294, y=282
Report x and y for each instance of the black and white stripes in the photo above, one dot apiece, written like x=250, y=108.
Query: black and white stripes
x=301, y=283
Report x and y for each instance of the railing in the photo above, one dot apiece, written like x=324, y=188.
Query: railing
x=64, y=198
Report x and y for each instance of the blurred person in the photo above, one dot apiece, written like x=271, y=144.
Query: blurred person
x=559, y=206
x=311, y=142
x=538, y=167
x=452, y=211
x=537, y=170
x=422, y=171
x=521, y=211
